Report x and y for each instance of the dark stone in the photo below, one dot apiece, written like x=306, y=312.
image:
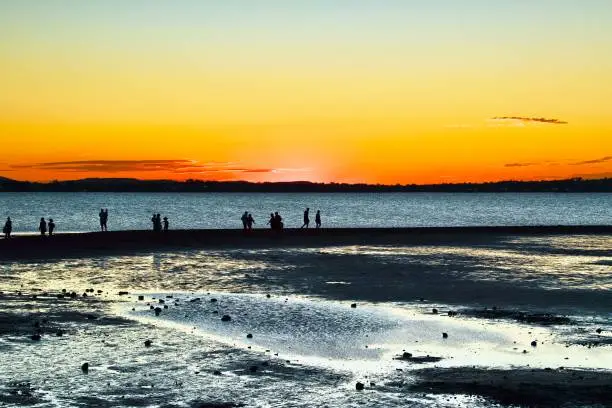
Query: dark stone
x=195, y=300
x=226, y=318
x=157, y=311
x=445, y=335
x=215, y=312
x=84, y=295
x=268, y=296
x=359, y=386
x=217, y=372
x=353, y=305
x=100, y=291
x=162, y=301
x=60, y=296
x=434, y=311
x=253, y=368
x=406, y=355
x=148, y=343
x=123, y=292
x=169, y=296
x=85, y=368
x=140, y=297
x=73, y=295
x=165, y=306
x=598, y=331
x=59, y=333
x=151, y=307
x=35, y=337
x=452, y=313
x=534, y=343
x=249, y=336
x=213, y=300
x=63, y=290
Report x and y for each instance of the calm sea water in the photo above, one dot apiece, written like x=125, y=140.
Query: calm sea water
x=78, y=212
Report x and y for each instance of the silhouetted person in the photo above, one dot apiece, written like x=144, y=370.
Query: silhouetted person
x=271, y=221
x=166, y=224
x=42, y=227
x=8, y=228
x=306, y=218
x=278, y=221
x=250, y=221
x=318, y=219
x=245, y=220
x=105, y=220
x=51, y=226
x=158, y=223
x=101, y=215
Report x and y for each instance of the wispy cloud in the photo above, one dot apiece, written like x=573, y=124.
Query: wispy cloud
x=179, y=167
x=527, y=119
x=593, y=161
x=520, y=164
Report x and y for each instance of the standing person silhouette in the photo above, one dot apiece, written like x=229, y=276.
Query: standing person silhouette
x=278, y=221
x=250, y=221
x=154, y=221
x=51, y=226
x=8, y=228
x=245, y=220
x=166, y=224
x=271, y=221
x=318, y=219
x=42, y=227
x=101, y=215
x=105, y=220
x=306, y=218
x=158, y=223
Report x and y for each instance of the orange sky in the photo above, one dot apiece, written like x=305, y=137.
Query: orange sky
x=400, y=92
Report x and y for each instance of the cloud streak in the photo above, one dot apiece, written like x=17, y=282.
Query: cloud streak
x=174, y=166
x=527, y=119
x=594, y=161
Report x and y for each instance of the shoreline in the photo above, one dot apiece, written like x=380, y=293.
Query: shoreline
x=25, y=247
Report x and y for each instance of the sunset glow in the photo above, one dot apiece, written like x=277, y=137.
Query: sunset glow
x=332, y=91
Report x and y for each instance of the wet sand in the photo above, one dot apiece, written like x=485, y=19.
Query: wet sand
x=115, y=242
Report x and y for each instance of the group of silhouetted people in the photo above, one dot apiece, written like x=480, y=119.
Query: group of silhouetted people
x=43, y=226
x=247, y=221
x=158, y=224
x=306, y=223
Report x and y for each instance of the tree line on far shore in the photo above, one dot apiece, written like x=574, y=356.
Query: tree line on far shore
x=575, y=185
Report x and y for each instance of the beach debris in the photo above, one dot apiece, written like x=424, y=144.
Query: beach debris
x=35, y=337
x=253, y=368
x=359, y=386
x=534, y=343
x=148, y=343
x=445, y=335
x=157, y=311
x=85, y=368
x=140, y=297
x=226, y=318
x=249, y=336
x=213, y=300
x=353, y=305
x=434, y=311
x=123, y=292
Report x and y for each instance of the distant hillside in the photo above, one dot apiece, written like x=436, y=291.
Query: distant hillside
x=134, y=185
